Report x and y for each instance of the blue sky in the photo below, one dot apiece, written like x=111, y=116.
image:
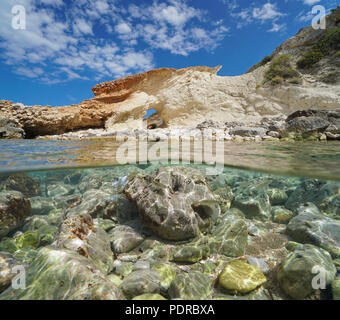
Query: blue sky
x=69, y=46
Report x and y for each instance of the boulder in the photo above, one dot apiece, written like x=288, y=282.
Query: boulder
x=174, y=202
x=253, y=202
x=140, y=282
x=80, y=235
x=248, y=131
x=191, y=286
x=23, y=183
x=229, y=237
x=7, y=263
x=310, y=226
x=10, y=129
x=240, y=277
x=125, y=238
x=296, y=272
x=61, y=274
x=14, y=208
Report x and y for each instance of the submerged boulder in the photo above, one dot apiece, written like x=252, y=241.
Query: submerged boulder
x=174, y=202
x=14, y=208
x=229, y=237
x=125, y=238
x=253, y=201
x=7, y=263
x=80, y=235
x=240, y=277
x=23, y=183
x=296, y=272
x=141, y=282
x=190, y=286
x=63, y=275
x=310, y=226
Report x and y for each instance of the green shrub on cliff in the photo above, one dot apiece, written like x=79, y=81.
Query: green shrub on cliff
x=263, y=62
x=280, y=68
x=329, y=43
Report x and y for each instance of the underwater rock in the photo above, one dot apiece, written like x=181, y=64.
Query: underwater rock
x=122, y=268
x=310, y=226
x=140, y=282
x=253, y=201
x=259, y=263
x=191, y=286
x=25, y=255
x=295, y=273
x=229, y=237
x=240, y=277
x=14, y=208
x=63, y=275
x=277, y=196
x=79, y=234
x=7, y=263
x=105, y=224
x=174, y=202
x=60, y=190
x=149, y=296
x=224, y=196
x=100, y=204
x=42, y=205
x=30, y=239
x=125, y=238
x=307, y=191
x=336, y=288
x=281, y=215
x=191, y=254
x=166, y=273
x=23, y=183
x=8, y=245
x=257, y=294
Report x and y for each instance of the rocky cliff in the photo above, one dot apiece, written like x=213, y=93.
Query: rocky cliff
x=303, y=73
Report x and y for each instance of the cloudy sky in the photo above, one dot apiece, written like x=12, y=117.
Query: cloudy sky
x=69, y=46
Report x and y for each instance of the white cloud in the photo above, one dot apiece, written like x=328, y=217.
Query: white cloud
x=81, y=26
x=267, y=12
x=123, y=28
x=310, y=2
x=277, y=27
x=56, y=47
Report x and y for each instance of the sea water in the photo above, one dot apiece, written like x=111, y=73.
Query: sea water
x=72, y=226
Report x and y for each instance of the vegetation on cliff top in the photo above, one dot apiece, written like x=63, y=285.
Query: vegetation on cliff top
x=326, y=46
x=281, y=70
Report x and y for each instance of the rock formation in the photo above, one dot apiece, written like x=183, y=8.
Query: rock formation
x=302, y=73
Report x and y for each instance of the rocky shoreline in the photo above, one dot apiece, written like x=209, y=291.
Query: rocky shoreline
x=307, y=125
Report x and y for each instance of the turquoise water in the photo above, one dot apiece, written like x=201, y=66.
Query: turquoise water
x=83, y=226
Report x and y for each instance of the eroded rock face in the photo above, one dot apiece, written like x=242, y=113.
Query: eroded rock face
x=14, y=208
x=10, y=129
x=174, y=202
x=295, y=274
